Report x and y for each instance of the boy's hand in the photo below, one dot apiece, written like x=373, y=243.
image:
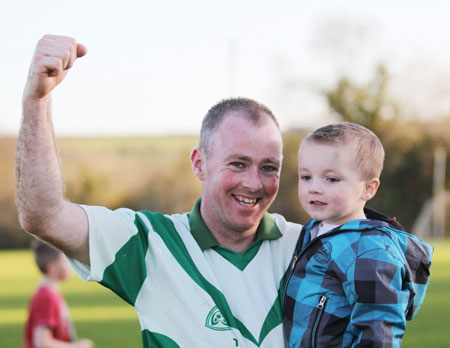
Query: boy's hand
x=52, y=58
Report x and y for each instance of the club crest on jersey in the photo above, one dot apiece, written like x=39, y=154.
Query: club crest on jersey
x=216, y=321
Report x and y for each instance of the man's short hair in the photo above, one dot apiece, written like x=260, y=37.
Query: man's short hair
x=44, y=254
x=368, y=149
x=247, y=108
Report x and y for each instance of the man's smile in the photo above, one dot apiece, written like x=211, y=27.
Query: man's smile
x=248, y=202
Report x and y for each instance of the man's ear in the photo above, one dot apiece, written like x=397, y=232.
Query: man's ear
x=370, y=189
x=198, y=163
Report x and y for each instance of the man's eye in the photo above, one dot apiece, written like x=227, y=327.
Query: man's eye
x=238, y=165
x=269, y=169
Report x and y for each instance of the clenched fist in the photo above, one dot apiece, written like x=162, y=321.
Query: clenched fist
x=53, y=57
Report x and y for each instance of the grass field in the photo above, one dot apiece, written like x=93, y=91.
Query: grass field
x=98, y=313
x=101, y=316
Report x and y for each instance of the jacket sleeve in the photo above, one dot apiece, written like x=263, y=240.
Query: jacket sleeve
x=374, y=290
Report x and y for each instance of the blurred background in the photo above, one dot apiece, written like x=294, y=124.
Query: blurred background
x=129, y=113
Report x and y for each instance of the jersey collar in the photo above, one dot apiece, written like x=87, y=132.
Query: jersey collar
x=267, y=229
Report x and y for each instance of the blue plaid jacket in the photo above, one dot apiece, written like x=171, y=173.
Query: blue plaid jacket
x=356, y=285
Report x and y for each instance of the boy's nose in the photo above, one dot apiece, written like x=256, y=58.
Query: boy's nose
x=314, y=186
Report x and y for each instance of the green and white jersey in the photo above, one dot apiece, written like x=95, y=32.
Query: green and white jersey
x=188, y=291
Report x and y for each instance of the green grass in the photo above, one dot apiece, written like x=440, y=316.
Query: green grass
x=111, y=323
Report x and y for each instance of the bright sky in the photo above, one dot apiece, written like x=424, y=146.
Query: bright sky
x=155, y=66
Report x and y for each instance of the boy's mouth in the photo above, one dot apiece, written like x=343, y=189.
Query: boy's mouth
x=317, y=203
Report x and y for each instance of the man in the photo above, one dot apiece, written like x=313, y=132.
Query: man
x=208, y=278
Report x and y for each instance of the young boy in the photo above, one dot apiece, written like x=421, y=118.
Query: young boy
x=49, y=323
x=356, y=275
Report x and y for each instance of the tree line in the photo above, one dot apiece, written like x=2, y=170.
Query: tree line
x=154, y=173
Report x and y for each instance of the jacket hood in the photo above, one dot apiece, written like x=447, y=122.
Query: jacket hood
x=417, y=254
x=372, y=214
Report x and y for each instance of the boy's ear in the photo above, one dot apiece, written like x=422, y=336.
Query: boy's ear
x=370, y=189
x=198, y=163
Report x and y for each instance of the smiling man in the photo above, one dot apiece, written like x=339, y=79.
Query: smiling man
x=207, y=278
x=239, y=162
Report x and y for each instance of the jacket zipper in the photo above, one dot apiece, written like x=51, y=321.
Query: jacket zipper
x=294, y=262
x=320, y=307
x=291, y=269
x=289, y=276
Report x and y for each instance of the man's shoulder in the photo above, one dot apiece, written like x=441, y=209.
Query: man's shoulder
x=284, y=224
x=100, y=213
x=289, y=230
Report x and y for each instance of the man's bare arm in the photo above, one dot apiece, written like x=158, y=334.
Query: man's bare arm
x=43, y=210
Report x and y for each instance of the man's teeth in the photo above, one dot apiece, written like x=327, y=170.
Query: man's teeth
x=246, y=201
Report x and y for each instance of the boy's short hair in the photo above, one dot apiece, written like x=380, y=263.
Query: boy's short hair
x=44, y=254
x=369, y=152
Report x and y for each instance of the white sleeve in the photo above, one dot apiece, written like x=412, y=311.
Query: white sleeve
x=108, y=232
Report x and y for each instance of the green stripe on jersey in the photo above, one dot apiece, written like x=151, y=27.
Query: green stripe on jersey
x=239, y=260
x=156, y=340
x=131, y=256
x=273, y=319
x=164, y=227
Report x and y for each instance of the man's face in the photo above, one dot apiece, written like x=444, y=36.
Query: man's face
x=241, y=174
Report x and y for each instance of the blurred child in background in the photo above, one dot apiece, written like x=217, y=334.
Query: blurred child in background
x=49, y=324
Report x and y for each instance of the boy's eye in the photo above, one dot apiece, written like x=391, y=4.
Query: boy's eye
x=333, y=179
x=305, y=177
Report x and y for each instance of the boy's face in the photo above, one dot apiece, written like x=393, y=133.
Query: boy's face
x=60, y=268
x=330, y=187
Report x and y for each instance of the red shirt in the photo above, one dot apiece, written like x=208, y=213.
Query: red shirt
x=48, y=308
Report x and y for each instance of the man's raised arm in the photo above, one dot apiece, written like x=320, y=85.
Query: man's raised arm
x=43, y=210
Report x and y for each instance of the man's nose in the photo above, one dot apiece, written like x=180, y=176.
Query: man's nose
x=252, y=180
